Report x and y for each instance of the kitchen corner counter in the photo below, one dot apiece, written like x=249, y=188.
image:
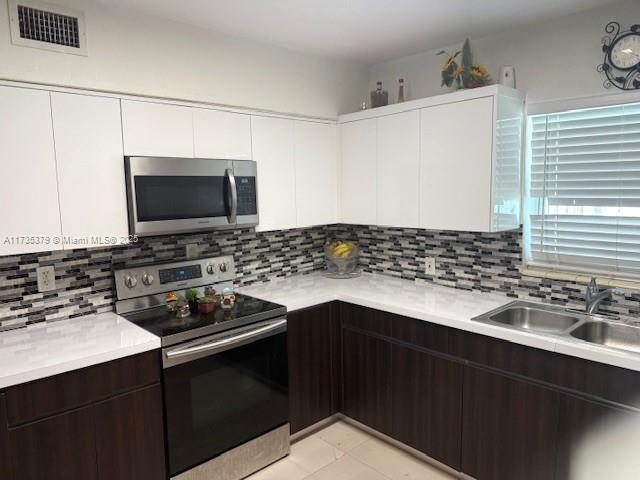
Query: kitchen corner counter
x=446, y=306
x=47, y=349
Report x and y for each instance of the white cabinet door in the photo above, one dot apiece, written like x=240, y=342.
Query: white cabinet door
x=218, y=134
x=157, y=130
x=29, y=193
x=315, y=153
x=273, y=152
x=455, y=167
x=399, y=170
x=358, y=173
x=91, y=184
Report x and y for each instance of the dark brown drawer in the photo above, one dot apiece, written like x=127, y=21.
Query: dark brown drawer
x=365, y=319
x=420, y=333
x=501, y=354
x=611, y=383
x=48, y=396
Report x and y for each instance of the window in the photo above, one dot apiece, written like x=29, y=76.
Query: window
x=582, y=198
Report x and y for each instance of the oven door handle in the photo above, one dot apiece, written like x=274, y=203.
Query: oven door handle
x=232, y=218
x=175, y=357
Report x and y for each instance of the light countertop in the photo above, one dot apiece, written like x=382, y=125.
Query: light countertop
x=46, y=349
x=433, y=303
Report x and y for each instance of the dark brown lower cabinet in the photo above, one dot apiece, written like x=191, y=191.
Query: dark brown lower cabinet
x=509, y=428
x=4, y=440
x=130, y=437
x=117, y=435
x=62, y=447
x=427, y=403
x=313, y=338
x=367, y=380
x=597, y=441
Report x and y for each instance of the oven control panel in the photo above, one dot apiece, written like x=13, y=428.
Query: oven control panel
x=142, y=280
x=179, y=274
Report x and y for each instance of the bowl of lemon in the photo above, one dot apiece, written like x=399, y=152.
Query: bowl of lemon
x=342, y=259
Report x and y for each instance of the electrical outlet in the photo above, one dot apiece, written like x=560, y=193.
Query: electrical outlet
x=430, y=265
x=46, y=278
x=192, y=250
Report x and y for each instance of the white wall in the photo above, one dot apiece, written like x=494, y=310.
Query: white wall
x=553, y=60
x=149, y=56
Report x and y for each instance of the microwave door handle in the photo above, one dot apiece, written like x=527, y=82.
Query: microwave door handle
x=189, y=353
x=234, y=196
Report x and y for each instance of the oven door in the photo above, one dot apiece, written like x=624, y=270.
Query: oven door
x=172, y=195
x=223, y=391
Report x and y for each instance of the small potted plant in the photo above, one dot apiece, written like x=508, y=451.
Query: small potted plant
x=206, y=305
x=192, y=298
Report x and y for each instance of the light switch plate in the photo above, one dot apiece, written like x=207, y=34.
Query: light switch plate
x=430, y=265
x=46, y=278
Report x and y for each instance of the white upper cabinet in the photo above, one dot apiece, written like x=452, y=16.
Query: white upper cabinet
x=449, y=162
x=219, y=134
x=90, y=164
x=398, y=176
x=29, y=193
x=273, y=153
x=456, y=165
x=316, y=165
x=358, y=185
x=157, y=130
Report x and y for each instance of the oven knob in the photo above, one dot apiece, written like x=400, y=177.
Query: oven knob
x=147, y=279
x=130, y=281
x=211, y=269
x=223, y=267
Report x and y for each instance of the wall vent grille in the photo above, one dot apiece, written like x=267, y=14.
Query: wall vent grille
x=49, y=27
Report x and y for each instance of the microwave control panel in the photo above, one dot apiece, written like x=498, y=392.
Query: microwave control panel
x=247, y=195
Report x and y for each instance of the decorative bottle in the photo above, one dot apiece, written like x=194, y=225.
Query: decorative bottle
x=401, y=90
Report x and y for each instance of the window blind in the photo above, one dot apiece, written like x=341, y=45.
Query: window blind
x=582, y=199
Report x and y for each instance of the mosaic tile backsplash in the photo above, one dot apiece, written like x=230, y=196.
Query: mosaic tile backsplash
x=470, y=261
x=487, y=262
x=85, y=283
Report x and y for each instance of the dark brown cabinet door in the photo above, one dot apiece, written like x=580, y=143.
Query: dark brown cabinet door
x=597, y=441
x=5, y=468
x=367, y=380
x=427, y=404
x=509, y=428
x=312, y=338
x=57, y=448
x=129, y=436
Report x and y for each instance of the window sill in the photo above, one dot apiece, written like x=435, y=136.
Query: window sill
x=603, y=280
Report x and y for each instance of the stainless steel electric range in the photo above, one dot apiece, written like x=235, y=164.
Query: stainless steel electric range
x=225, y=375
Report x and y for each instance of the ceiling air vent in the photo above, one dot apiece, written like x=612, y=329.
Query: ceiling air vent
x=48, y=27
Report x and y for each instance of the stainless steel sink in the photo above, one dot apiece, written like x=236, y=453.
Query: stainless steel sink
x=533, y=317
x=614, y=335
x=528, y=318
x=568, y=324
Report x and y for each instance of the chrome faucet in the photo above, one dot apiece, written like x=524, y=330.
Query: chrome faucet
x=595, y=296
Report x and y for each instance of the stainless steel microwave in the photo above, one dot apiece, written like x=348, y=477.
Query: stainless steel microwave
x=176, y=195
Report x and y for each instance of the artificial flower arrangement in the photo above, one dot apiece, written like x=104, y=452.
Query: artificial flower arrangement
x=465, y=75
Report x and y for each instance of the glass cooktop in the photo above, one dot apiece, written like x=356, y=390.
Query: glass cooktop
x=172, y=330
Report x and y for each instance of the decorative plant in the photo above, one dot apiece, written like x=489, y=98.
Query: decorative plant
x=466, y=75
x=192, y=295
x=206, y=304
x=450, y=69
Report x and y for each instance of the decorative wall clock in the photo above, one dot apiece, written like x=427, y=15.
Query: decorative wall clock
x=621, y=63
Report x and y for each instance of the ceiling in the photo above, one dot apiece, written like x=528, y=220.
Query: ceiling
x=364, y=31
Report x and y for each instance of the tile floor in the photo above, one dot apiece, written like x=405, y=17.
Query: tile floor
x=343, y=452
